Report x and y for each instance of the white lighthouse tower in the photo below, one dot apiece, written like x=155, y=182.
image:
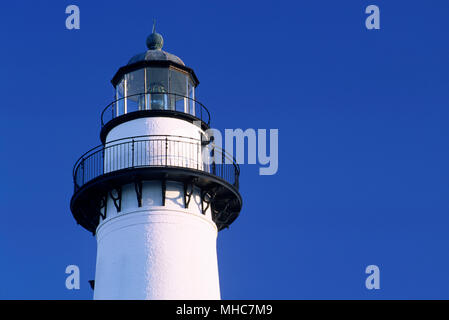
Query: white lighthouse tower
x=156, y=192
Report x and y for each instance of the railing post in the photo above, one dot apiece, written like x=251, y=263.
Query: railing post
x=102, y=166
x=236, y=182
x=82, y=171
x=166, y=151
x=197, y=155
x=222, y=163
x=132, y=150
x=213, y=162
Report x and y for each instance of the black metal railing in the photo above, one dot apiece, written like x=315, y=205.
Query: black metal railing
x=155, y=151
x=155, y=101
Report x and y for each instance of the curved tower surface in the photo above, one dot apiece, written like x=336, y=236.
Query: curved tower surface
x=156, y=192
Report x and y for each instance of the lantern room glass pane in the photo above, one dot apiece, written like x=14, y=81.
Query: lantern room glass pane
x=191, y=95
x=157, y=88
x=178, y=87
x=119, y=97
x=135, y=89
x=178, y=82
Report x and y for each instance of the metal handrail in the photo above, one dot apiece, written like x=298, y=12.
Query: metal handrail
x=121, y=139
x=203, y=114
x=153, y=151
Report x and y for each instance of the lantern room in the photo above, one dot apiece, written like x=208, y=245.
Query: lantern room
x=155, y=80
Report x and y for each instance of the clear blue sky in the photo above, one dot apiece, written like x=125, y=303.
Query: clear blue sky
x=363, y=123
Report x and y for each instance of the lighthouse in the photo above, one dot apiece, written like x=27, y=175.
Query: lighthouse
x=157, y=190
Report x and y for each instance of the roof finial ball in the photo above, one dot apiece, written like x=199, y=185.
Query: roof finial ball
x=155, y=40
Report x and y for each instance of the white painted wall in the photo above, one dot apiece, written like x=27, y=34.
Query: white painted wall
x=155, y=251
x=154, y=126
